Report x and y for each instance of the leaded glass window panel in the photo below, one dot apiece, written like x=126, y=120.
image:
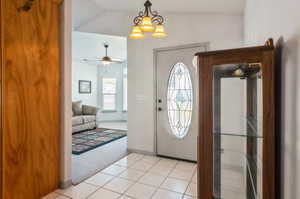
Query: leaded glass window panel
x=180, y=100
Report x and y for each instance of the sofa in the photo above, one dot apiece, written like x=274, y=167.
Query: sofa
x=84, y=117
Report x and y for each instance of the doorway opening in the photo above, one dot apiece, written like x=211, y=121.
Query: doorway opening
x=99, y=102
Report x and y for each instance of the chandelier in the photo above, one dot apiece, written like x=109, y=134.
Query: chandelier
x=144, y=23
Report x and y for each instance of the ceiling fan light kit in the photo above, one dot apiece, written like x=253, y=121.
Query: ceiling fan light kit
x=144, y=23
x=106, y=60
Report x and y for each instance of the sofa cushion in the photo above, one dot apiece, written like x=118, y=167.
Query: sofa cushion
x=77, y=120
x=77, y=107
x=84, y=127
x=89, y=118
x=89, y=110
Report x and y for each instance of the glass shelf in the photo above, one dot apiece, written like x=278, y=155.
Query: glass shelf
x=245, y=135
x=254, y=160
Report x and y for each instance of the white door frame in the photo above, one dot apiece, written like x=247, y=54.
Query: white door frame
x=205, y=45
x=66, y=95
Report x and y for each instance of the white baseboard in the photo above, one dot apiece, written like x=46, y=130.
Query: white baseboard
x=141, y=152
x=112, y=121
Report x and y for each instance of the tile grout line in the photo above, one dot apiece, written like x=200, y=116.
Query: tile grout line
x=114, y=177
x=145, y=173
x=137, y=180
x=134, y=181
x=100, y=187
x=58, y=195
x=164, y=180
x=61, y=194
x=156, y=188
x=190, y=182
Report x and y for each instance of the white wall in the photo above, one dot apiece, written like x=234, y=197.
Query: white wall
x=275, y=18
x=220, y=30
x=83, y=71
x=85, y=46
x=90, y=46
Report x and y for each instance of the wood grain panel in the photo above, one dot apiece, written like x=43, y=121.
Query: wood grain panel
x=1, y=132
x=269, y=145
x=31, y=94
x=205, y=136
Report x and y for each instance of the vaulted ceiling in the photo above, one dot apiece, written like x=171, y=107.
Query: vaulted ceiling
x=183, y=6
x=85, y=10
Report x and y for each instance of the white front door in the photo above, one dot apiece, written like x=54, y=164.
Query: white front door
x=176, y=92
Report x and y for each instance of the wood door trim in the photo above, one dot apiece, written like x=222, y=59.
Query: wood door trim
x=245, y=51
x=205, y=139
x=269, y=142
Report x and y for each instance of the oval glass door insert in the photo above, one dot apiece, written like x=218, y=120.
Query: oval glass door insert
x=180, y=100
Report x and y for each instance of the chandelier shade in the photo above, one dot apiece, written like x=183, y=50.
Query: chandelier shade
x=136, y=33
x=159, y=32
x=148, y=21
x=146, y=25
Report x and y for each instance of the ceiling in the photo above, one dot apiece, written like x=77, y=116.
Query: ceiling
x=178, y=6
x=86, y=10
x=83, y=11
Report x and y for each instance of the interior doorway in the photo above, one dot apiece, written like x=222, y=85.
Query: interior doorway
x=99, y=102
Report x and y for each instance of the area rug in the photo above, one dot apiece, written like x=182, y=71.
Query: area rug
x=91, y=139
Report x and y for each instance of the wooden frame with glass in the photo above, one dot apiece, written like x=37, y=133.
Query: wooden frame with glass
x=237, y=138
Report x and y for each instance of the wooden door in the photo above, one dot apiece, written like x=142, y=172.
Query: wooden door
x=30, y=98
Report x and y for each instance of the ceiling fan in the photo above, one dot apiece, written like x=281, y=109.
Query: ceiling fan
x=106, y=60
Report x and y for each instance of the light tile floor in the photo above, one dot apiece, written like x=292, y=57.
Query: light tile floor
x=137, y=177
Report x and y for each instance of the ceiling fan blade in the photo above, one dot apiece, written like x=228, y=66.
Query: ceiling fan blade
x=117, y=60
x=100, y=60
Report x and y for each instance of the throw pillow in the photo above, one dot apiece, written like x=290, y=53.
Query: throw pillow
x=77, y=107
x=89, y=110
